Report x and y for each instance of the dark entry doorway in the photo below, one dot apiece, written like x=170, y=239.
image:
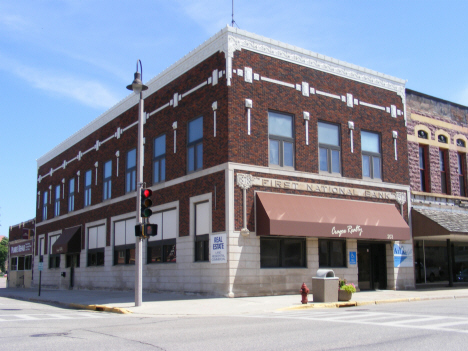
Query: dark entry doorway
x=73, y=261
x=372, y=266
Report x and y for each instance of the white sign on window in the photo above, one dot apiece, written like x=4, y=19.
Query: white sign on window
x=218, y=248
x=403, y=255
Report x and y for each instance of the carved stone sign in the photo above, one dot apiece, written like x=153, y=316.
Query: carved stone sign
x=400, y=197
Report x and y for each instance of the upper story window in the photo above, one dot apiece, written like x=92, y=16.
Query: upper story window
x=107, y=182
x=44, y=205
x=462, y=173
x=130, y=171
x=461, y=143
x=423, y=172
x=443, y=171
x=422, y=134
x=371, y=157
x=280, y=133
x=71, y=195
x=159, y=159
x=442, y=139
x=195, y=145
x=57, y=201
x=329, y=148
x=87, y=188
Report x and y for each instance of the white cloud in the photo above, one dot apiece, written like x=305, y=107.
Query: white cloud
x=88, y=92
x=13, y=22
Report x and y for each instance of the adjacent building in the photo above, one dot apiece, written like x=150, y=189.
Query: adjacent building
x=437, y=147
x=267, y=162
x=20, y=254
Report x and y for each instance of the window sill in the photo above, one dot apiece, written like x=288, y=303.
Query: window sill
x=328, y=174
x=282, y=167
x=377, y=180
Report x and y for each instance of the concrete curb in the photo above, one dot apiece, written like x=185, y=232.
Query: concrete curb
x=364, y=303
x=99, y=308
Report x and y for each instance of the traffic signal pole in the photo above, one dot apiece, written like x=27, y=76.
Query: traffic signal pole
x=138, y=239
x=138, y=87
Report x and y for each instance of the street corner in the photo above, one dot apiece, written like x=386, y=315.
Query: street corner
x=100, y=308
x=318, y=305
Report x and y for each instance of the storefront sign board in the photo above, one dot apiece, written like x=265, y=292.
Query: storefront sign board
x=218, y=248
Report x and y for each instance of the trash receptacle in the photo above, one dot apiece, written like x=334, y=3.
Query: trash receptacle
x=325, y=286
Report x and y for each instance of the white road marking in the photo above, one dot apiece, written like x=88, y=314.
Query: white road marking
x=399, y=320
x=52, y=316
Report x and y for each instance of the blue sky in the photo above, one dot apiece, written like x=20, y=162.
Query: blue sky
x=65, y=62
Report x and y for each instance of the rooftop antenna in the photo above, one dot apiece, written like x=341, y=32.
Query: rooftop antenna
x=232, y=23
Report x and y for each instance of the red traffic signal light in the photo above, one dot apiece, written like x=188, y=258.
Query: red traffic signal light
x=146, y=203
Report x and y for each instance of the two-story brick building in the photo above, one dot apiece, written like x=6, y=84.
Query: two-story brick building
x=437, y=147
x=20, y=254
x=293, y=160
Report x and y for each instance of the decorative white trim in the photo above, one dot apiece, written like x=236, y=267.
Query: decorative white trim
x=248, y=106
x=395, y=136
x=63, y=188
x=318, y=92
x=174, y=126
x=305, y=89
x=306, y=118
x=248, y=75
x=214, y=106
x=349, y=100
x=351, y=128
x=289, y=85
x=372, y=105
x=215, y=75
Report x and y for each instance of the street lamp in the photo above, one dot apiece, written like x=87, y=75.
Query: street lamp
x=137, y=86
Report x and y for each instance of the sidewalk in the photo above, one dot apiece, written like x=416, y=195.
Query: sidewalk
x=177, y=304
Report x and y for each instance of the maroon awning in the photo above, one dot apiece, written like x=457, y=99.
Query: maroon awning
x=69, y=241
x=297, y=215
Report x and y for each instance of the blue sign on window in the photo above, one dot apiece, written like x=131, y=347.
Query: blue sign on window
x=352, y=257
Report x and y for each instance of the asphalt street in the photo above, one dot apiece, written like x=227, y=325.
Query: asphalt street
x=400, y=326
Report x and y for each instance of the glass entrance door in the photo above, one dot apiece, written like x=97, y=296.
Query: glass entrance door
x=372, y=269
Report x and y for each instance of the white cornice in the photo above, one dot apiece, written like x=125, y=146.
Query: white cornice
x=229, y=40
x=240, y=39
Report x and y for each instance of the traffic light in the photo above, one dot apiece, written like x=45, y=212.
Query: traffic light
x=146, y=203
x=151, y=229
x=148, y=230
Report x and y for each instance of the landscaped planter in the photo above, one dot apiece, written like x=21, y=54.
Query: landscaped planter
x=344, y=295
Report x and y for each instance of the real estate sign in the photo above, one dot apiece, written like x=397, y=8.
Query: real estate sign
x=218, y=248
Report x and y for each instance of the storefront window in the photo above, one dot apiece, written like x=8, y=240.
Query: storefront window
x=332, y=253
x=27, y=263
x=431, y=262
x=282, y=253
x=14, y=264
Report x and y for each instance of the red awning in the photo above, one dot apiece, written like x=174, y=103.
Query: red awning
x=297, y=215
x=68, y=242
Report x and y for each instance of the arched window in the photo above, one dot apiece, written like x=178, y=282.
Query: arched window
x=422, y=134
x=442, y=139
x=461, y=142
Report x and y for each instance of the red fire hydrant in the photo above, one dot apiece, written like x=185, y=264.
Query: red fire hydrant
x=304, y=292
